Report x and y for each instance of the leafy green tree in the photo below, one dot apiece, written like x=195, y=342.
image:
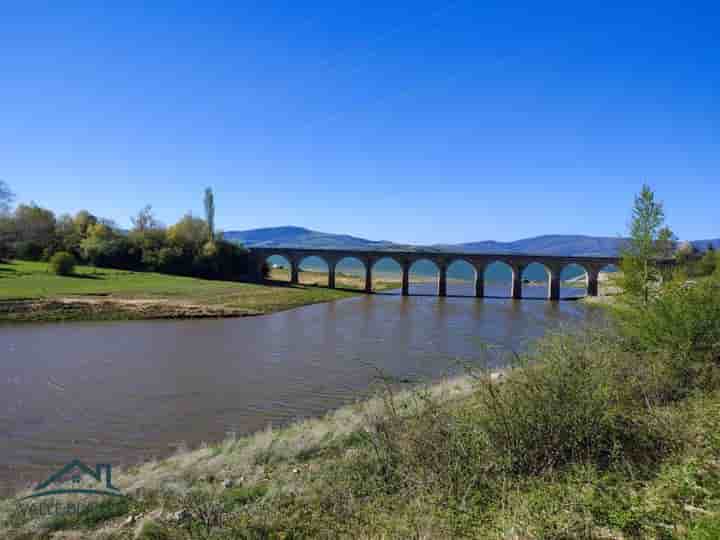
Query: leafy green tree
x=6, y=197
x=148, y=237
x=666, y=243
x=83, y=219
x=190, y=233
x=7, y=234
x=34, y=230
x=649, y=240
x=7, y=227
x=104, y=246
x=145, y=220
x=708, y=263
x=210, y=213
x=67, y=236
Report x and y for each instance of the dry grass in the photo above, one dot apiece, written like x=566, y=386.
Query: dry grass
x=285, y=458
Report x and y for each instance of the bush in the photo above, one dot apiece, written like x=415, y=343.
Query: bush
x=114, y=253
x=28, y=251
x=152, y=530
x=62, y=263
x=242, y=495
x=584, y=401
x=92, y=515
x=682, y=324
x=221, y=260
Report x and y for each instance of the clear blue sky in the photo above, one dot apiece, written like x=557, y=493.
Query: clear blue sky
x=416, y=122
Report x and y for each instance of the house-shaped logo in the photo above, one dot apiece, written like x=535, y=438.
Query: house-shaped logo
x=74, y=472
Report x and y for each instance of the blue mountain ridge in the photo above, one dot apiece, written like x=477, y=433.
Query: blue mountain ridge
x=557, y=244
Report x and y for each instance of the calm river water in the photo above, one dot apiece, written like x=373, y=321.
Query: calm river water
x=122, y=392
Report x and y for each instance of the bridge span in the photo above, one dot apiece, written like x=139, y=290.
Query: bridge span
x=553, y=265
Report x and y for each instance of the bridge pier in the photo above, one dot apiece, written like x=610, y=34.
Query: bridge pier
x=442, y=280
x=479, y=281
x=294, y=273
x=406, y=279
x=554, y=285
x=368, y=276
x=331, y=276
x=592, y=281
x=516, y=291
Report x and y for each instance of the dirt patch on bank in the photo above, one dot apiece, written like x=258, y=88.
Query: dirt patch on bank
x=109, y=308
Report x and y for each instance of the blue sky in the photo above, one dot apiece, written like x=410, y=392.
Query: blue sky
x=416, y=122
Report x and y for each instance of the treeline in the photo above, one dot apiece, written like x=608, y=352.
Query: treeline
x=190, y=247
x=699, y=264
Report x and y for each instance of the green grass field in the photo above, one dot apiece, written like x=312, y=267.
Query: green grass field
x=118, y=289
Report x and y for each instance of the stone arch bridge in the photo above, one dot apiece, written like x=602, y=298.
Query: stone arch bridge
x=517, y=263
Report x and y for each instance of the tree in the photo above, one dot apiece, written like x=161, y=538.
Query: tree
x=7, y=227
x=145, y=220
x=34, y=230
x=708, y=263
x=190, y=233
x=149, y=243
x=210, y=213
x=666, y=243
x=6, y=198
x=649, y=240
x=68, y=238
x=7, y=234
x=106, y=247
x=83, y=219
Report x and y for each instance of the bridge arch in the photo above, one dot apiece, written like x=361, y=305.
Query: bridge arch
x=422, y=268
x=499, y=275
x=605, y=280
x=387, y=268
x=462, y=275
x=574, y=280
x=350, y=272
x=279, y=267
x=535, y=278
x=314, y=270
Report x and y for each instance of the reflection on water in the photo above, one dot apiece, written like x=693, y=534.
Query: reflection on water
x=120, y=392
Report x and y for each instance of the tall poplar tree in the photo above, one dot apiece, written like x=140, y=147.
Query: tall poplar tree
x=210, y=213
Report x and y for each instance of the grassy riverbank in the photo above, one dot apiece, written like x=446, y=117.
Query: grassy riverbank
x=606, y=434
x=29, y=292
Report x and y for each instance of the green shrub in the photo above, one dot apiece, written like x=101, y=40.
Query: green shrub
x=707, y=528
x=28, y=251
x=242, y=495
x=572, y=402
x=91, y=516
x=682, y=326
x=62, y=263
x=152, y=530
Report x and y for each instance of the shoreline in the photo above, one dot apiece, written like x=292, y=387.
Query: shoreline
x=30, y=294
x=236, y=299
x=108, y=307
x=192, y=465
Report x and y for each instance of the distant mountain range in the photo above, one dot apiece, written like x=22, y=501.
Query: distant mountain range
x=557, y=244
x=305, y=238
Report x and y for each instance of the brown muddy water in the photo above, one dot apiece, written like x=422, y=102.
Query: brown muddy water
x=123, y=392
